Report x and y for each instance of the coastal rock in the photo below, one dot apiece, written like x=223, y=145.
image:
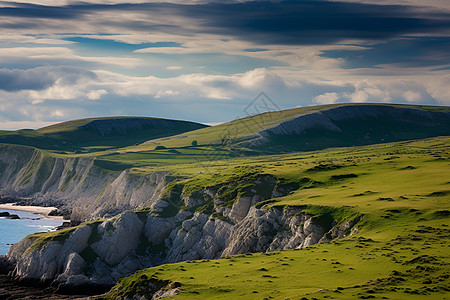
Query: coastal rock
x=77, y=280
x=254, y=233
x=49, y=261
x=75, y=264
x=74, y=267
x=161, y=294
x=313, y=232
x=158, y=229
x=196, y=199
x=185, y=236
x=240, y=209
x=39, y=265
x=118, y=237
x=75, y=243
x=103, y=252
x=5, y=265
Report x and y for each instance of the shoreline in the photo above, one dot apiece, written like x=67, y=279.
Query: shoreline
x=40, y=210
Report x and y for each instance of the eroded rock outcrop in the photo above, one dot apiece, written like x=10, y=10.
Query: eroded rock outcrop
x=100, y=253
x=118, y=237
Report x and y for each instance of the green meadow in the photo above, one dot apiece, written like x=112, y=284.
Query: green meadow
x=401, y=250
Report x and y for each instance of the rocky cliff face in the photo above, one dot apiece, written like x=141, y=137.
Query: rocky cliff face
x=75, y=183
x=209, y=227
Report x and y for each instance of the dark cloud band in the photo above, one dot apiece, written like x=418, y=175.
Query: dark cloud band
x=317, y=22
x=263, y=22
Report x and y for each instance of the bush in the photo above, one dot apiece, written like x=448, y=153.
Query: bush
x=160, y=147
x=194, y=143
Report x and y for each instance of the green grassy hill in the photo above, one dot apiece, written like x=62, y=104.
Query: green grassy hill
x=163, y=142
x=252, y=136
x=400, y=250
x=97, y=134
x=314, y=128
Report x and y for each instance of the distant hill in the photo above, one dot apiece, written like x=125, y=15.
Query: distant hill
x=320, y=127
x=351, y=125
x=96, y=134
x=298, y=129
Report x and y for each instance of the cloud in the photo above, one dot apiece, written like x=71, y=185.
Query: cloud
x=301, y=34
x=166, y=93
x=327, y=98
x=16, y=80
x=403, y=53
x=412, y=96
x=20, y=38
x=39, y=78
x=438, y=88
x=170, y=50
x=96, y=94
x=317, y=22
x=369, y=91
x=440, y=4
x=261, y=77
x=60, y=56
x=263, y=22
x=204, y=97
x=173, y=68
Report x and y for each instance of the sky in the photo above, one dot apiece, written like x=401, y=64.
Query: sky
x=207, y=60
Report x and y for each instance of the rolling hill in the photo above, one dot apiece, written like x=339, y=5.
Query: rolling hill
x=96, y=134
x=293, y=130
x=319, y=127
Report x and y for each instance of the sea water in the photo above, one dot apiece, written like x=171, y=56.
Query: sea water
x=12, y=231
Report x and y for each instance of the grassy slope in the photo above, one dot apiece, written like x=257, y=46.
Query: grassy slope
x=68, y=137
x=250, y=125
x=115, y=153
x=180, y=149
x=401, y=250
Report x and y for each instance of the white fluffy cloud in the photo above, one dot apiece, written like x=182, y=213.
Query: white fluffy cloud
x=67, y=97
x=438, y=88
x=327, y=98
x=96, y=94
